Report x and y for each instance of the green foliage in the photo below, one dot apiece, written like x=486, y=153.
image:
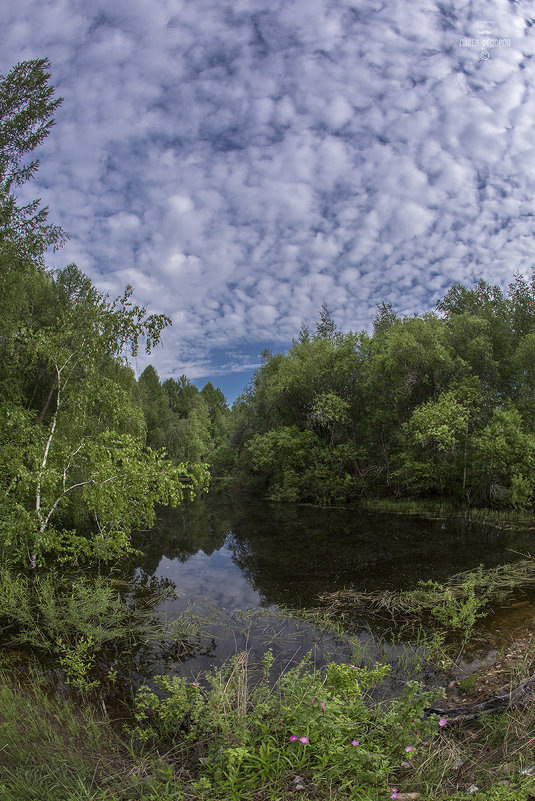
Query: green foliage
x=460, y=613
x=217, y=409
x=283, y=454
x=439, y=424
x=55, y=614
x=296, y=465
x=189, y=424
x=325, y=327
x=504, y=454
x=77, y=662
x=84, y=450
x=155, y=408
x=441, y=404
x=456, y=609
x=323, y=724
x=436, y=441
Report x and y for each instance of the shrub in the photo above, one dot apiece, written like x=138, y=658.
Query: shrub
x=324, y=724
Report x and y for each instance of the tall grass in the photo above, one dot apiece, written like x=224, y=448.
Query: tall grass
x=51, y=752
x=234, y=734
x=444, y=509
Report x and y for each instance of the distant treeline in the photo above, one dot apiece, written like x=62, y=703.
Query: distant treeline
x=440, y=404
x=189, y=423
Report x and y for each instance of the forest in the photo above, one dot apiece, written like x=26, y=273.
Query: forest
x=439, y=404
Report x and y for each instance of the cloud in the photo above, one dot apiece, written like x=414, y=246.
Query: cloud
x=241, y=164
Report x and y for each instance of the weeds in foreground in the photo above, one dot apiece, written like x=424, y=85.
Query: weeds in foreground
x=50, y=751
x=234, y=734
x=248, y=732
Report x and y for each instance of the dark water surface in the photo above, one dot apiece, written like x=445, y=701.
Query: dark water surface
x=232, y=556
x=252, y=554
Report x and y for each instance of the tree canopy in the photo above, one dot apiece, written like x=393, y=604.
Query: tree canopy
x=76, y=473
x=441, y=404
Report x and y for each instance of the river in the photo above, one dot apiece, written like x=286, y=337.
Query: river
x=225, y=557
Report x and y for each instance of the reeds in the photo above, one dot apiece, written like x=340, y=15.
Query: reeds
x=446, y=510
x=456, y=603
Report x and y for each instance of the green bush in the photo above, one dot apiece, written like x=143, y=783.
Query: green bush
x=40, y=610
x=82, y=624
x=323, y=724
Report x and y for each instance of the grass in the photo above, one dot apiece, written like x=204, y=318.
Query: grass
x=50, y=751
x=434, y=509
x=490, y=752
x=228, y=737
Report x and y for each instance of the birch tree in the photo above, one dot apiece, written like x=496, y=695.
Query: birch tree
x=82, y=455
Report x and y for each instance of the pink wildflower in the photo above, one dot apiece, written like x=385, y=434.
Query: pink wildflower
x=304, y=740
x=409, y=748
x=394, y=792
x=293, y=738
x=442, y=722
x=355, y=742
x=323, y=706
x=194, y=683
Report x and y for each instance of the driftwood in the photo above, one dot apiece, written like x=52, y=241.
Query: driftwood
x=504, y=699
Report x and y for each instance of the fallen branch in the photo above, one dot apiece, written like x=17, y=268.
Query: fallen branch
x=498, y=703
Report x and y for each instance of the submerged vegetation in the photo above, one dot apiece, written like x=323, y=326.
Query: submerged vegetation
x=444, y=617
x=456, y=604
x=434, y=509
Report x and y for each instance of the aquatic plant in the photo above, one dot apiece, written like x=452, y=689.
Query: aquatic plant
x=447, y=609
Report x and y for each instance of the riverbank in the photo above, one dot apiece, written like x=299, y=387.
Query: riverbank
x=257, y=726
x=433, y=509
x=253, y=731
x=55, y=747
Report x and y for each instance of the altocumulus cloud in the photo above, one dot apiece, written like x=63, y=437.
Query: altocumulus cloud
x=242, y=162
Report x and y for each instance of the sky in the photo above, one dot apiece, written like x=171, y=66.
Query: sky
x=241, y=162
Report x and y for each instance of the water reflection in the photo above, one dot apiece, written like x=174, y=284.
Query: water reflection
x=226, y=557
x=260, y=554
x=215, y=576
